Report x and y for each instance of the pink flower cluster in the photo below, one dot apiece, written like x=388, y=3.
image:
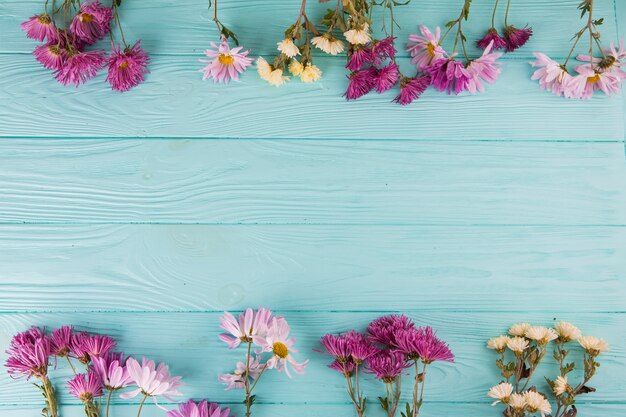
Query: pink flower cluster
x=268, y=345
x=65, y=48
x=391, y=345
x=372, y=67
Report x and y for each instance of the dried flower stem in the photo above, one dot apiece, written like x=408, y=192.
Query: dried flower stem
x=459, y=25
x=587, y=7
x=143, y=400
x=49, y=394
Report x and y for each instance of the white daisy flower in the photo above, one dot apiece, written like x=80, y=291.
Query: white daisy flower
x=517, y=401
x=519, y=329
x=288, y=48
x=542, y=335
x=328, y=43
x=501, y=392
x=296, y=67
x=264, y=68
x=593, y=345
x=561, y=386
x=567, y=331
x=359, y=36
x=276, y=78
x=498, y=343
x=537, y=403
x=311, y=73
x=517, y=345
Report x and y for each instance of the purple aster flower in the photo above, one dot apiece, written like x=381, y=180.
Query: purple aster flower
x=492, y=35
x=111, y=368
x=127, y=68
x=62, y=341
x=80, y=67
x=92, y=22
x=337, y=346
x=386, y=77
x=383, y=49
x=28, y=354
x=360, y=56
x=40, y=27
x=51, y=56
x=361, y=83
x=384, y=329
x=86, y=346
x=201, y=409
x=412, y=88
x=387, y=365
x=424, y=344
x=449, y=75
x=345, y=368
x=516, y=38
x=360, y=347
x=85, y=387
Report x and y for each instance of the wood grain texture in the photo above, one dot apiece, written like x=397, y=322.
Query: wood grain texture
x=184, y=26
x=175, y=102
x=308, y=182
x=174, y=268
x=164, y=336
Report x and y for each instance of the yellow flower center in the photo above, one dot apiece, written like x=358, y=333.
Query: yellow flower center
x=123, y=65
x=280, y=350
x=431, y=49
x=44, y=19
x=594, y=79
x=86, y=17
x=225, y=59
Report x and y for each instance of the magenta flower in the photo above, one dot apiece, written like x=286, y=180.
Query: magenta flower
x=127, y=68
x=92, y=22
x=250, y=325
x=85, y=387
x=383, y=49
x=201, y=409
x=112, y=370
x=62, y=341
x=337, y=346
x=485, y=68
x=360, y=347
x=516, y=38
x=344, y=368
x=386, y=77
x=412, y=88
x=28, y=354
x=236, y=379
x=40, y=27
x=492, y=35
x=360, y=56
x=424, y=344
x=225, y=64
x=449, y=75
x=80, y=67
x=361, y=83
x=425, y=49
x=86, y=346
x=152, y=381
x=385, y=329
x=387, y=365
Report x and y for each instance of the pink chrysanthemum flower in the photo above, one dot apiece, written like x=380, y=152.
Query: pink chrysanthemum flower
x=62, y=341
x=449, y=75
x=236, y=379
x=80, y=67
x=127, y=67
x=40, y=27
x=485, y=68
x=492, y=35
x=280, y=345
x=425, y=48
x=590, y=80
x=385, y=329
x=516, y=38
x=92, y=22
x=387, y=365
x=552, y=76
x=201, y=409
x=86, y=346
x=386, y=77
x=51, y=56
x=360, y=83
x=337, y=346
x=85, y=387
x=112, y=370
x=152, y=381
x=226, y=63
x=28, y=354
x=412, y=88
x=360, y=56
x=361, y=348
x=424, y=344
x=383, y=49
x=344, y=368
x=251, y=325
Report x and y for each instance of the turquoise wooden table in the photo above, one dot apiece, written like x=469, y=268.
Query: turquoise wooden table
x=144, y=215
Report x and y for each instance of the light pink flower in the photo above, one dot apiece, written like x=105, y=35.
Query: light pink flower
x=152, y=381
x=551, y=75
x=225, y=64
x=485, y=68
x=111, y=370
x=251, y=326
x=425, y=48
x=590, y=80
x=280, y=345
x=235, y=380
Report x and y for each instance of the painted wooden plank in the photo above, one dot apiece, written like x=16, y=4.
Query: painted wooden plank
x=184, y=27
x=175, y=102
x=299, y=181
x=179, y=268
x=189, y=343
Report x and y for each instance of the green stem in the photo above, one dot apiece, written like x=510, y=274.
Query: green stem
x=143, y=400
x=493, y=15
x=71, y=366
x=108, y=402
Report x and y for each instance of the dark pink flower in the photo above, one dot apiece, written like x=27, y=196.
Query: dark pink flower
x=40, y=27
x=383, y=49
x=92, y=22
x=384, y=329
x=337, y=346
x=387, y=365
x=386, y=78
x=424, y=344
x=28, y=354
x=80, y=67
x=62, y=341
x=412, y=88
x=492, y=35
x=361, y=83
x=361, y=55
x=449, y=75
x=360, y=347
x=344, y=368
x=51, y=56
x=201, y=409
x=516, y=38
x=85, y=387
x=127, y=68
x=86, y=346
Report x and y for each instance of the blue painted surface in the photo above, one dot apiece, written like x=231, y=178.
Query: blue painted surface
x=144, y=215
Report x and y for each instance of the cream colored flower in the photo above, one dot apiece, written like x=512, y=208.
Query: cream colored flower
x=359, y=36
x=517, y=401
x=519, y=329
x=561, y=386
x=296, y=67
x=501, y=393
x=517, y=344
x=498, y=343
x=537, y=403
x=263, y=68
x=311, y=73
x=288, y=48
x=567, y=331
x=328, y=43
x=542, y=335
x=593, y=345
x=276, y=78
